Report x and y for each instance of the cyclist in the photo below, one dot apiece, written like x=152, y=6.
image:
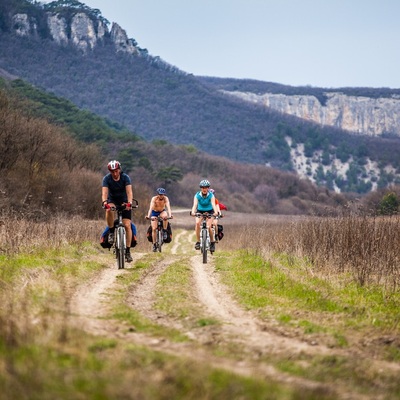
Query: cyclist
x=159, y=206
x=204, y=202
x=116, y=191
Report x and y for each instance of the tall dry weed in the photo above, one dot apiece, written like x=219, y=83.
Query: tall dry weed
x=365, y=247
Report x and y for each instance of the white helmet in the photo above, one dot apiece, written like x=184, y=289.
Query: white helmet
x=113, y=165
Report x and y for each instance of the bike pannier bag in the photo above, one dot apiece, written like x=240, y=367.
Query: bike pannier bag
x=220, y=232
x=104, y=239
x=134, y=233
x=169, y=234
x=149, y=234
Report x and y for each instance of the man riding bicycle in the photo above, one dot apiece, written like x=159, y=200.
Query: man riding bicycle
x=116, y=191
x=159, y=206
x=204, y=202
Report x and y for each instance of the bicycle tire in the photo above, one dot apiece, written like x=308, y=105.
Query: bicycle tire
x=160, y=239
x=120, y=247
x=204, y=245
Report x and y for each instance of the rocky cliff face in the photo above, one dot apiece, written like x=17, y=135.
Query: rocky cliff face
x=363, y=115
x=81, y=31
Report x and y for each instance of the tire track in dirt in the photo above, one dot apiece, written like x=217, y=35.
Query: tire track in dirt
x=237, y=324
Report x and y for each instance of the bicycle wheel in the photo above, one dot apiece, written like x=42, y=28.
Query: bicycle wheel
x=204, y=245
x=160, y=239
x=120, y=247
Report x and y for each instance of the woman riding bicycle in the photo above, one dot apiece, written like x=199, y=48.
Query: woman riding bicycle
x=204, y=202
x=159, y=206
x=117, y=190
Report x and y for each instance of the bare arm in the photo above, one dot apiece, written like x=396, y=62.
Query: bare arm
x=129, y=192
x=151, y=207
x=214, y=206
x=168, y=206
x=194, y=207
x=104, y=194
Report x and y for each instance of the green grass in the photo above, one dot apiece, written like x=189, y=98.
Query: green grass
x=261, y=284
x=331, y=311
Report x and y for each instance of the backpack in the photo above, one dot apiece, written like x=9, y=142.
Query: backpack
x=220, y=232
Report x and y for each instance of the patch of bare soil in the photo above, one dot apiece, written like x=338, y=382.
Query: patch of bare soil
x=89, y=307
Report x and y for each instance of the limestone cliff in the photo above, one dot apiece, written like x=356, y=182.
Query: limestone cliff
x=80, y=30
x=363, y=115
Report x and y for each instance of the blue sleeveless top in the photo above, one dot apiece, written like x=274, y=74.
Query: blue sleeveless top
x=204, y=203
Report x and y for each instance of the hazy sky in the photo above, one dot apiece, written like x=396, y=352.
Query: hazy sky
x=322, y=43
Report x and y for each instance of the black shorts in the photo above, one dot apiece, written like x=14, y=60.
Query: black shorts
x=126, y=214
x=206, y=212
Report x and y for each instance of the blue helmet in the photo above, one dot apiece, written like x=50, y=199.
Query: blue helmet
x=161, y=191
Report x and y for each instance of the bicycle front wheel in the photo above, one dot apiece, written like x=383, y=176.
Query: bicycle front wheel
x=160, y=239
x=204, y=245
x=120, y=247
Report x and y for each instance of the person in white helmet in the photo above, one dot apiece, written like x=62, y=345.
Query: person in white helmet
x=117, y=190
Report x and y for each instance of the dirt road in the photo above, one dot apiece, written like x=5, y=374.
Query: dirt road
x=235, y=327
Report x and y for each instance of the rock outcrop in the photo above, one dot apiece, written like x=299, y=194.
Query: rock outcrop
x=81, y=30
x=363, y=115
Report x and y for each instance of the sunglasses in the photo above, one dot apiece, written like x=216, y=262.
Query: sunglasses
x=203, y=187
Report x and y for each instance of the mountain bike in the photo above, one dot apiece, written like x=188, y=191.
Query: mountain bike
x=205, y=241
x=119, y=246
x=159, y=232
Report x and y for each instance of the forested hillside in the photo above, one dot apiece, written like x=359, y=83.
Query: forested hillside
x=55, y=155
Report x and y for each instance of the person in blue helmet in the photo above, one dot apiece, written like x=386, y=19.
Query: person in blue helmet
x=204, y=202
x=159, y=206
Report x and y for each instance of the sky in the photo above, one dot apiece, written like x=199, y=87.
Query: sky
x=319, y=43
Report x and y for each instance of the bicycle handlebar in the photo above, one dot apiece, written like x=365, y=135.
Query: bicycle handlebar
x=154, y=218
x=205, y=215
x=122, y=207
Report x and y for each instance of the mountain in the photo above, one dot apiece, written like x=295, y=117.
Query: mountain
x=67, y=48
x=53, y=157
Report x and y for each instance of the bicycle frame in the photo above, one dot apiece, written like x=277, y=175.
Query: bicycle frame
x=205, y=239
x=120, y=236
x=120, y=239
x=159, y=232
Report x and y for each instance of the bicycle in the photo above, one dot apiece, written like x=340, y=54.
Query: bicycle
x=205, y=241
x=119, y=245
x=159, y=232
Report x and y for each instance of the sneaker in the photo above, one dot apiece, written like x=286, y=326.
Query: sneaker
x=212, y=246
x=111, y=238
x=165, y=235
x=154, y=247
x=128, y=256
x=197, y=246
